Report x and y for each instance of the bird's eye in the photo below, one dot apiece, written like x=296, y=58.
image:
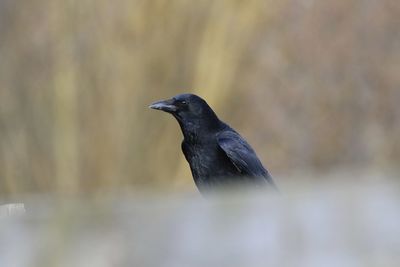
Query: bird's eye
x=183, y=102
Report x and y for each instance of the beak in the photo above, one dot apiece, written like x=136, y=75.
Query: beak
x=164, y=105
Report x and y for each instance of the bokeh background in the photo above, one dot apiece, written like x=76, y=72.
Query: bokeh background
x=313, y=85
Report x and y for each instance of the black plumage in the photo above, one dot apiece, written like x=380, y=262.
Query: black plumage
x=218, y=156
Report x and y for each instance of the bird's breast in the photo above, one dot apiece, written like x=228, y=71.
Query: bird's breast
x=208, y=163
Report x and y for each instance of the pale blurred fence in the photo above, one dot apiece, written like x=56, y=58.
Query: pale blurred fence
x=12, y=209
x=326, y=225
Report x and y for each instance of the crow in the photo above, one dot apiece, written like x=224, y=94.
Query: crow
x=217, y=155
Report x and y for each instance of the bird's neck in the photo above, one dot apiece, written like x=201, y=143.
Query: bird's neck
x=199, y=131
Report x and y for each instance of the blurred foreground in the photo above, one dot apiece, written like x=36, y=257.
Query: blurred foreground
x=329, y=224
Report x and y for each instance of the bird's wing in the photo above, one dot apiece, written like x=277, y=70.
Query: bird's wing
x=241, y=154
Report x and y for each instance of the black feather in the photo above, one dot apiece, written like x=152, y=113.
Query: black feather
x=217, y=155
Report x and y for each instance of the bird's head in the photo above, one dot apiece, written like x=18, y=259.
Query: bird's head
x=191, y=111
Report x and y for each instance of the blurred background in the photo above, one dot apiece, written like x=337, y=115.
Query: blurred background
x=313, y=85
x=90, y=176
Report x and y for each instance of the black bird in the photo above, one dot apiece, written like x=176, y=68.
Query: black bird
x=218, y=156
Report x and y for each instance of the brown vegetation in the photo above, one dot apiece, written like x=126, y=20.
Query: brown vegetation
x=312, y=85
